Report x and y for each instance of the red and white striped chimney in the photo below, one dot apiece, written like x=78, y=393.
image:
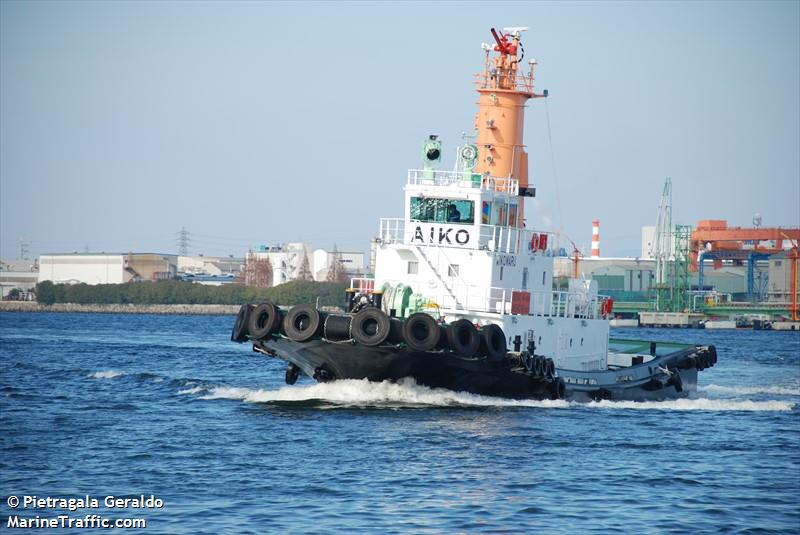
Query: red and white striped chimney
x=596, y=238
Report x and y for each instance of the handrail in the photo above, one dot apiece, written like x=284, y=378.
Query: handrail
x=463, y=179
x=515, y=81
x=462, y=298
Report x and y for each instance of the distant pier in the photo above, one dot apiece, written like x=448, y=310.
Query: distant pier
x=205, y=310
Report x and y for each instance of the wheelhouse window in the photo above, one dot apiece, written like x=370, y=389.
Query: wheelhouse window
x=438, y=210
x=499, y=213
x=512, y=215
x=413, y=267
x=486, y=213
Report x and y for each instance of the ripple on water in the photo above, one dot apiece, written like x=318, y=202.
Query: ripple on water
x=172, y=408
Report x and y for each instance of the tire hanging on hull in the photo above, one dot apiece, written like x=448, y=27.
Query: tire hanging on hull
x=421, y=332
x=239, y=332
x=370, y=327
x=463, y=338
x=264, y=320
x=303, y=323
x=493, y=342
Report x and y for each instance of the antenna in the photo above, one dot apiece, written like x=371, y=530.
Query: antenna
x=516, y=30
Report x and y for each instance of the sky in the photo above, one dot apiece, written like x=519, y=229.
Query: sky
x=263, y=123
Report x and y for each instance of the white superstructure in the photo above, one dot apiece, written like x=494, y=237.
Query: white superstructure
x=484, y=268
x=461, y=249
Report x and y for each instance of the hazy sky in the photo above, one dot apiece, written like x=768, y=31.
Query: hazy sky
x=257, y=123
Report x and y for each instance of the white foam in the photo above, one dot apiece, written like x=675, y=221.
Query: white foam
x=365, y=393
x=748, y=390
x=108, y=374
x=407, y=393
x=698, y=404
x=193, y=390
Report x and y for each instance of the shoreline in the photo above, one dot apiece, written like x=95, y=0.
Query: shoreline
x=129, y=308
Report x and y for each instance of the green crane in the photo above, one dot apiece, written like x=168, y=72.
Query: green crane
x=671, y=253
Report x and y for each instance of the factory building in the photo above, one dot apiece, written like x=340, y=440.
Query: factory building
x=630, y=279
x=297, y=260
x=106, y=268
x=20, y=275
x=780, y=278
x=351, y=261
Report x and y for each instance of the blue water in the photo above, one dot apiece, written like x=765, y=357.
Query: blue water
x=126, y=405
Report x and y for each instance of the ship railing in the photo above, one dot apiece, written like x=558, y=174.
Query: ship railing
x=363, y=284
x=516, y=301
x=392, y=230
x=513, y=80
x=462, y=179
x=465, y=298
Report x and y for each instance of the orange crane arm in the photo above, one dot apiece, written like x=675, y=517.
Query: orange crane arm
x=745, y=234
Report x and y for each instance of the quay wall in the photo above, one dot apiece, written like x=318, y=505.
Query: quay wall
x=29, y=306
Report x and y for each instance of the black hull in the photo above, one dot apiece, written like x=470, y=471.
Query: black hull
x=326, y=361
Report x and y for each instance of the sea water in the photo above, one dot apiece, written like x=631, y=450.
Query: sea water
x=145, y=407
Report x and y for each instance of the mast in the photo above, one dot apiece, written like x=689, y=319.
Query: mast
x=503, y=91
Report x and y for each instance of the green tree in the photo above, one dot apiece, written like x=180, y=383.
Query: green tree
x=46, y=293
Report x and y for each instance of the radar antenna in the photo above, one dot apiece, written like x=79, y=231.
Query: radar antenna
x=516, y=30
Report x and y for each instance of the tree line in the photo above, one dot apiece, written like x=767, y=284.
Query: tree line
x=170, y=292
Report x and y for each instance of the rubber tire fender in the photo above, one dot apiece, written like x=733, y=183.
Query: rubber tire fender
x=493, y=342
x=463, y=338
x=527, y=361
x=677, y=381
x=302, y=323
x=421, y=332
x=558, y=388
x=264, y=320
x=292, y=373
x=370, y=326
x=550, y=368
x=239, y=331
x=702, y=361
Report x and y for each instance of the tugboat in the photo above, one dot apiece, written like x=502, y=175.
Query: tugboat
x=462, y=296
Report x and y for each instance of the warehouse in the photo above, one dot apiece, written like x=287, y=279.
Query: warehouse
x=106, y=268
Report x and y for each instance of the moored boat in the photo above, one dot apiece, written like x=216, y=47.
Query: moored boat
x=463, y=294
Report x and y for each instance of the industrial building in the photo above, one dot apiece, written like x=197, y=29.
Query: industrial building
x=210, y=270
x=293, y=261
x=630, y=279
x=106, y=268
x=780, y=278
x=21, y=275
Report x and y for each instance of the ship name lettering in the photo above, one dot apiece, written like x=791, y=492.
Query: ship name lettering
x=506, y=260
x=444, y=236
